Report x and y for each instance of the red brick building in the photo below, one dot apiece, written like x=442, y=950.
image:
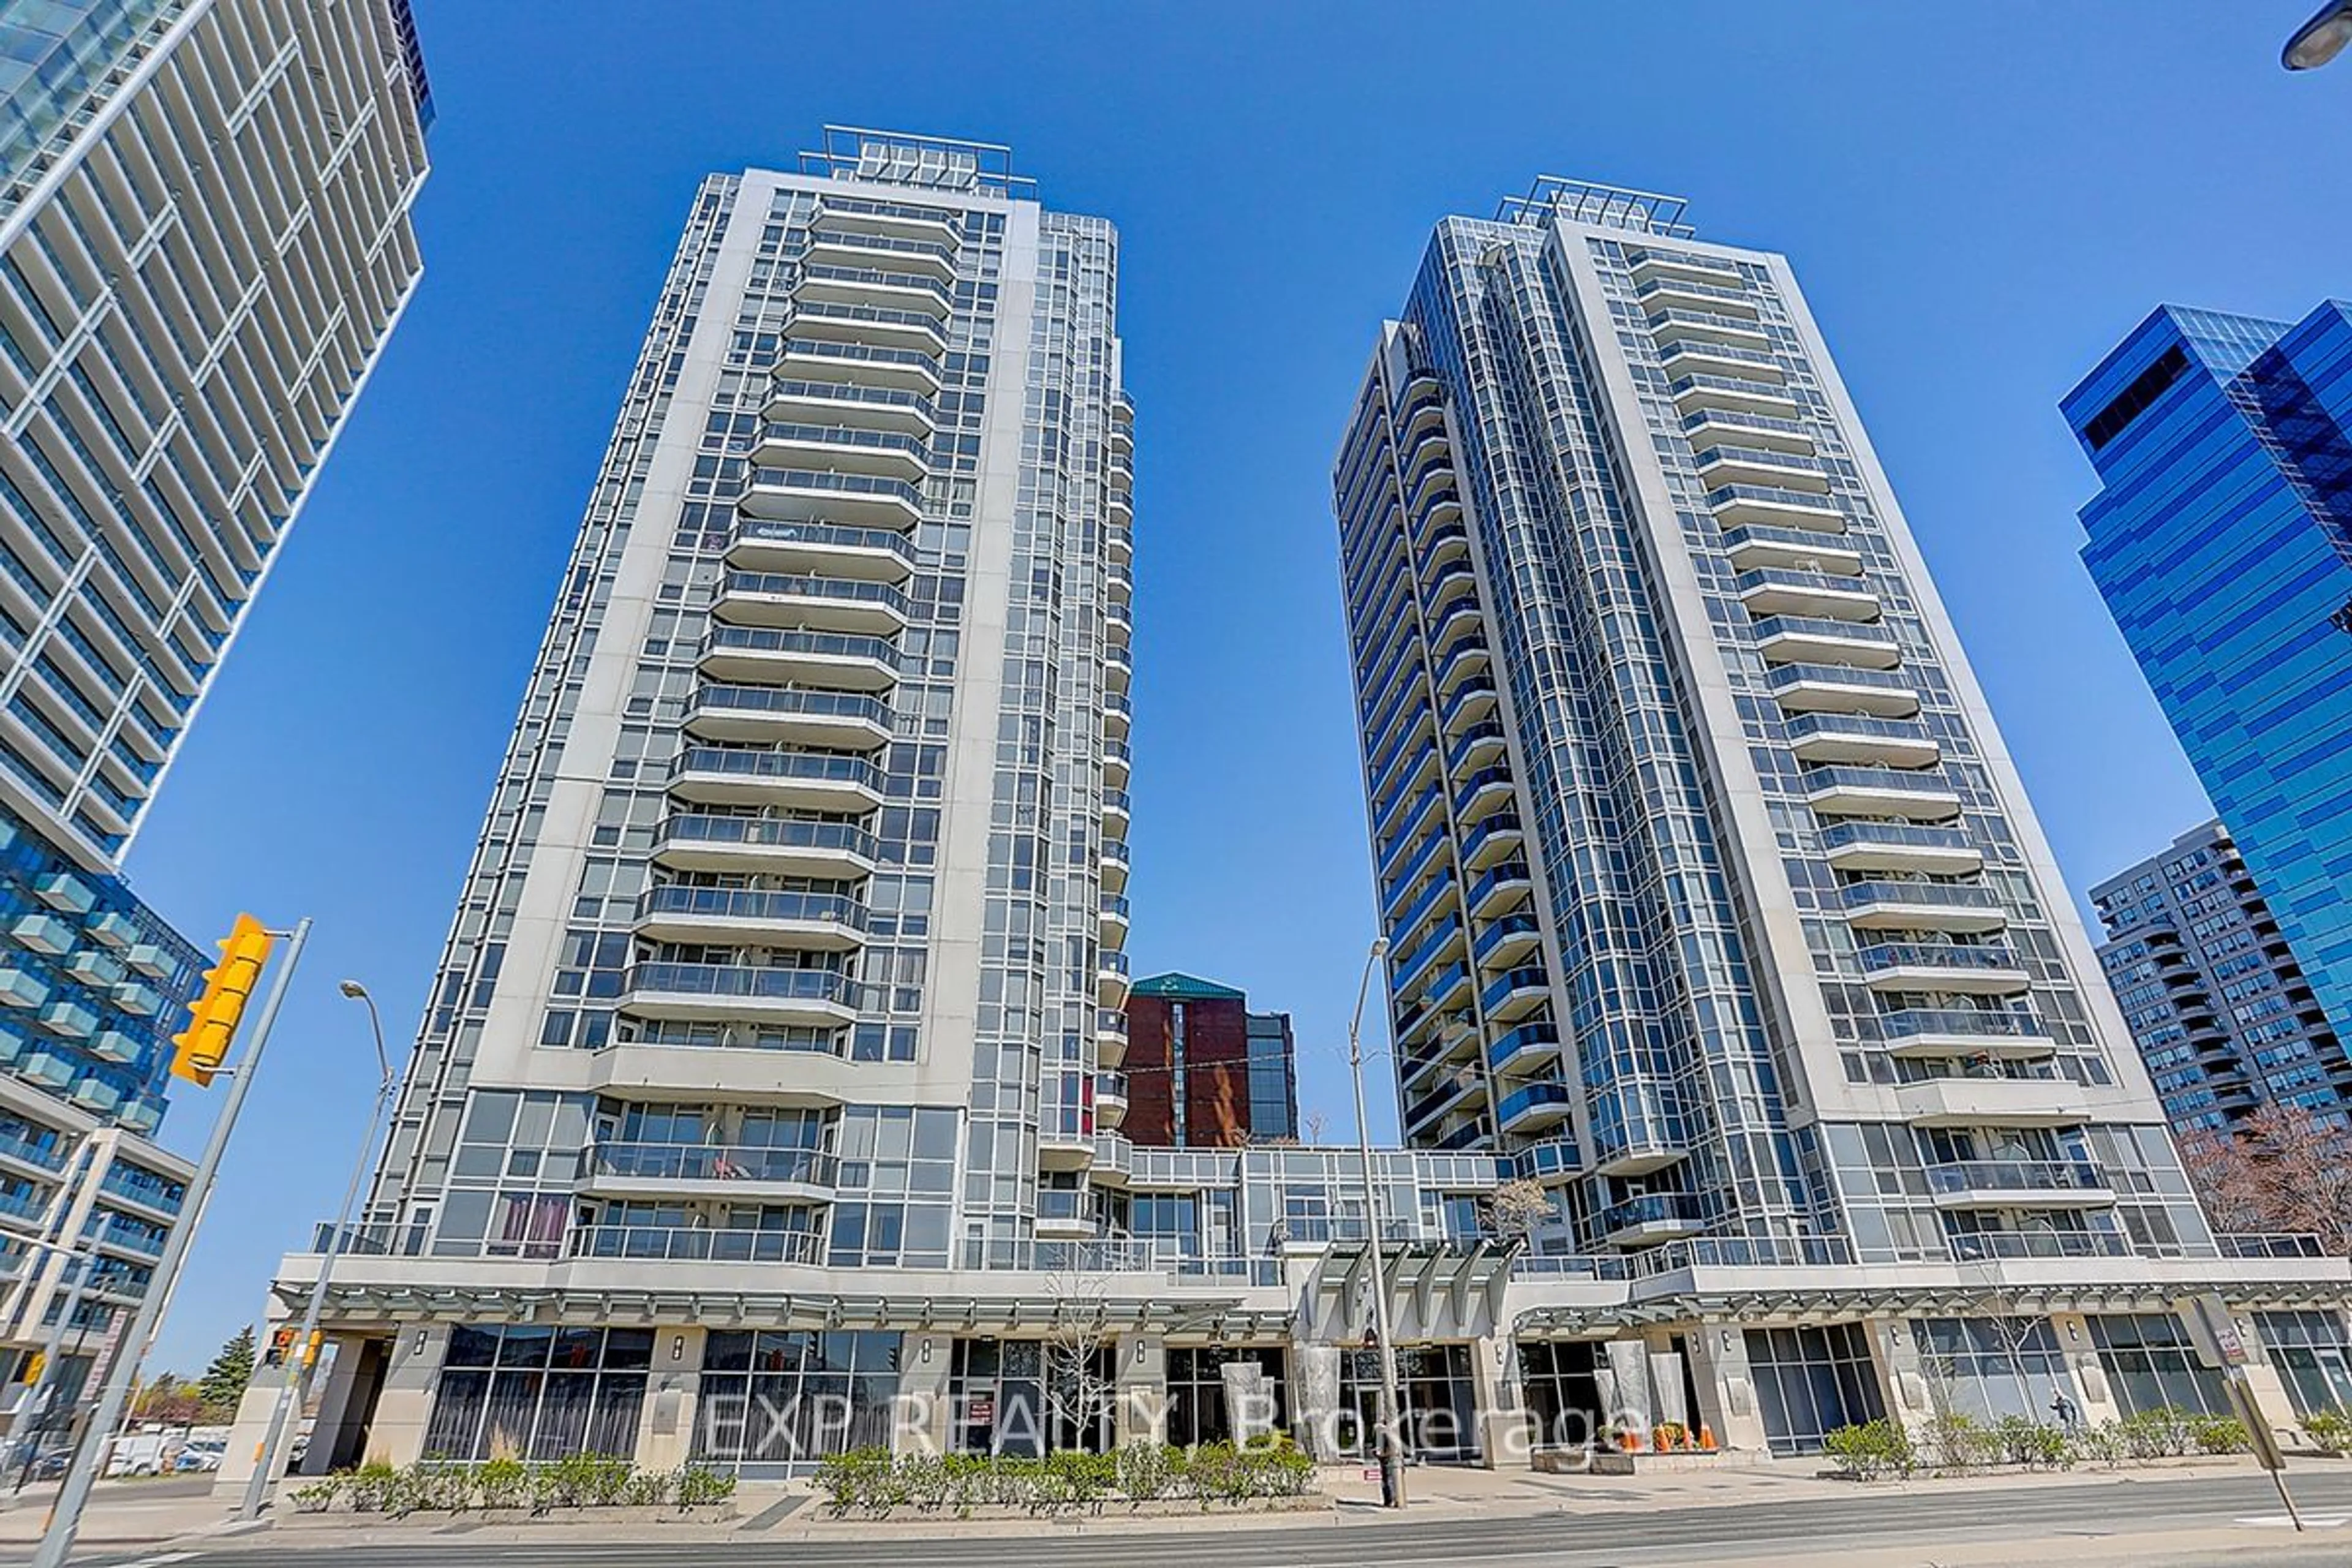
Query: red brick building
x=1203, y=1071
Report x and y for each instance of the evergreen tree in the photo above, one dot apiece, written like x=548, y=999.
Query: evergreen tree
x=224, y=1382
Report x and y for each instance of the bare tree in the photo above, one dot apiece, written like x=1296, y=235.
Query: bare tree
x=2282, y=1169
x=1080, y=1388
x=1515, y=1208
x=1314, y=1122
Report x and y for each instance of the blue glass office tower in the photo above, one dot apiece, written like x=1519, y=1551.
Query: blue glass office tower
x=2223, y=539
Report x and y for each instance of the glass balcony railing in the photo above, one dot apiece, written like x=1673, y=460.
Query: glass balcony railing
x=1535, y=1097
x=865, y=315
x=1517, y=923
x=712, y=1162
x=1530, y=978
x=1961, y=1176
x=1781, y=677
x=1648, y=1209
x=830, y=535
x=767, y=833
x=1539, y=1035
x=791, y=702
x=1823, y=627
x=1062, y=1203
x=867, y=353
x=1952, y=956
x=1990, y=1022
x=1808, y=726
x=1921, y=895
x=814, y=644
x=744, y=982
x=1879, y=781
x=48, y=1156
x=677, y=899
x=783, y=767
x=675, y=1244
x=1708, y=419
x=853, y=436
x=1838, y=836
x=1497, y=877
x=1979, y=1246
x=847, y=590
x=876, y=277
x=1770, y=495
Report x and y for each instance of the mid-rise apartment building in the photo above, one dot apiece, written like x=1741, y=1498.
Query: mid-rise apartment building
x=769, y=1064
x=2223, y=1016
x=204, y=241
x=2221, y=539
x=1202, y=1071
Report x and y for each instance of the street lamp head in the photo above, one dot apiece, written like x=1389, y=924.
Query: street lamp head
x=2321, y=39
x=1380, y=947
x=353, y=989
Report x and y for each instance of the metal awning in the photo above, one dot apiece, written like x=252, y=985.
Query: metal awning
x=1438, y=1291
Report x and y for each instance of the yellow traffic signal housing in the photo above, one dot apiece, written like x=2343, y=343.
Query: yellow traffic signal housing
x=199, y=1049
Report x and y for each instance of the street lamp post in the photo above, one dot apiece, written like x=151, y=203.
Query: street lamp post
x=2321, y=39
x=257, y=1490
x=1391, y=1439
x=24, y=1421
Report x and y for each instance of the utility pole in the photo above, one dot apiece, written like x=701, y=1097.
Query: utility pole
x=203, y=1046
x=1391, y=1443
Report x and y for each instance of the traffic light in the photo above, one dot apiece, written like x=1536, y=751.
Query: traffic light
x=201, y=1047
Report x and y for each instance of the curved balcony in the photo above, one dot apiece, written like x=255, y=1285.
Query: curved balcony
x=834, y=243
x=676, y=1244
x=1750, y=428
x=821, y=549
x=1805, y=640
x=1115, y=918
x=836, y=213
x=1648, y=1218
x=1110, y=1099
x=816, y=359
x=1474, y=701
x=817, y=604
x=1858, y=738
x=1735, y=393
x=1516, y=993
x=841, y=448
x=1118, y=622
x=674, y=911
x=1448, y=1093
x=1475, y=747
x=1119, y=668
x=1534, y=1106
x=1501, y=943
x=1934, y=1033
x=1463, y=662
x=1835, y=791
x=843, y=721
x=1494, y=839
x=1838, y=688
x=793, y=400
x=1942, y=967
x=1446, y=544
x=813, y=780
x=1536, y=1038
x=1696, y=357
x=764, y=656
x=1742, y=331
x=2019, y=1183
x=1110, y=1036
x=917, y=331
x=1115, y=865
x=715, y=1170
x=826, y=495
x=1502, y=887
x=1119, y=763
x=1119, y=546
x=1118, y=714
x=1759, y=547
x=1775, y=506
x=1984, y=1246
x=1991, y=1101
x=1725, y=463
x=887, y=289
x=1899, y=846
x=1443, y=942
x=1483, y=793
x=1116, y=811
x=1922, y=906
x=825, y=851
x=1112, y=978
x=1785, y=591
x=819, y=997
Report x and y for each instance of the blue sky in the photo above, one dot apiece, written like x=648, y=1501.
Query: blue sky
x=1980, y=200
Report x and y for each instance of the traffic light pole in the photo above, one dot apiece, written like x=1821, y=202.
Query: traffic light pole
x=25, y=1422
x=65, y=1515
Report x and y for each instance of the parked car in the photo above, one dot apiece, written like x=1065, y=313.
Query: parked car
x=197, y=1457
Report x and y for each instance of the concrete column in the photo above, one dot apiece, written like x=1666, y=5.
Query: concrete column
x=1315, y=1399
x=2268, y=1388
x=666, y=1422
x=1505, y=1438
x=926, y=1361
x=1142, y=1388
x=1623, y=1373
x=2091, y=1390
x=1902, y=1377
x=338, y=1400
x=1727, y=1405
x=406, y=1406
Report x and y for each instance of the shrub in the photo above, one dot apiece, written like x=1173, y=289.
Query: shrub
x=1960, y=1441
x=503, y=1482
x=2329, y=1430
x=2164, y=1433
x=318, y=1495
x=2018, y=1440
x=1147, y=1471
x=848, y=1480
x=2106, y=1444
x=699, y=1487
x=2219, y=1435
x=1872, y=1449
x=371, y=1487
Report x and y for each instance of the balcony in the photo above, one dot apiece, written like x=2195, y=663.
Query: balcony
x=1110, y=1036
x=1475, y=747
x=1483, y=793
x=825, y=851
x=1118, y=810
x=1118, y=622
x=675, y=912
x=672, y=1244
x=678, y=1169
x=785, y=656
x=816, y=603
x=834, y=244
x=1119, y=763
x=1990, y=1245
x=816, y=780
x=1464, y=661
x=917, y=331
x=825, y=495
x=1804, y=639
x=1654, y=264
x=2018, y=1183
x=1532, y=1106
x=65, y=892
x=855, y=214
x=1111, y=979
x=1516, y=993
x=1761, y=548
x=1784, y=591
x=1858, y=738
x=1537, y=1039
x=821, y=997
x=1749, y=429
x=1734, y=393
x=1501, y=887
x=1503, y=942
x=816, y=360
x=1942, y=1033
x=821, y=549
x=1775, y=507
x=1732, y=464
x=1111, y=1098
x=1448, y=1093
x=1650, y=1218
x=1838, y=688
x=1118, y=714
x=1695, y=357
x=1494, y=839
x=1118, y=668
x=1065, y=1211
x=1115, y=865
x=847, y=721
x=888, y=289
x=1922, y=906
x=1730, y=298
x=1444, y=941
x=1894, y=847
x=841, y=448
x=1115, y=918
x=1713, y=326
x=1835, y=791
x=1472, y=702
x=1990, y=1102
x=1942, y=967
